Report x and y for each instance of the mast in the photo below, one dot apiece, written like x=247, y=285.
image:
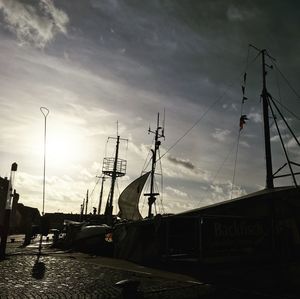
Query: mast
x=159, y=133
x=101, y=194
x=265, y=100
x=86, y=201
x=113, y=167
x=113, y=179
x=266, y=104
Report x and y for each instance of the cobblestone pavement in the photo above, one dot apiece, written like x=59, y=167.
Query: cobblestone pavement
x=69, y=276
x=77, y=275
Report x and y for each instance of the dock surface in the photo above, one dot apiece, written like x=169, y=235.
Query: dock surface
x=78, y=275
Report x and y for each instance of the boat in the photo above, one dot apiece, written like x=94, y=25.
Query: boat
x=95, y=239
x=85, y=237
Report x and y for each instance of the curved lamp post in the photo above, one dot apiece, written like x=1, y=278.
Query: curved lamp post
x=45, y=111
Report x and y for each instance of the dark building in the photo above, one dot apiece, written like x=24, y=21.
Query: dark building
x=21, y=217
x=3, y=198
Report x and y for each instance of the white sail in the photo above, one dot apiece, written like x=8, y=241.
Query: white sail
x=129, y=199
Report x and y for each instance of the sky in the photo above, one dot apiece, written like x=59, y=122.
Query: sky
x=104, y=67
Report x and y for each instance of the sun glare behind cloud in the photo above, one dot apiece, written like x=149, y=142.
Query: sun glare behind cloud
x=64, y=145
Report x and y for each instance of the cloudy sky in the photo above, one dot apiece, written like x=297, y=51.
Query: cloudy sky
x=95, y=62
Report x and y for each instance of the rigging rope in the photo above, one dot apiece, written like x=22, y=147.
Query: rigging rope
x=223, y=163
x=282, y=143
x=146, y=164
x=243, y=119
x=287, y=109
x=287, y=81
x=91, y=194
x=162, y=184
x=235, y=163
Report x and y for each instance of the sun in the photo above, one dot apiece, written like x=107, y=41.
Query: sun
x=63, y=145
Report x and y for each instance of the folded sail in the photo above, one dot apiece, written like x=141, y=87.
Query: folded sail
x=129, y=199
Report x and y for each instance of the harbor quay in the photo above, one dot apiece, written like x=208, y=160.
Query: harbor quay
x=59, y=274
x=67, y=274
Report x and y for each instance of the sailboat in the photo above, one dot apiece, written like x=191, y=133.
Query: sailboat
x=129, y=199
x=134, y=237
x=259, y=227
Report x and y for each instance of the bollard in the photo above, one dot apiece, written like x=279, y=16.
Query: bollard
x=129, y=289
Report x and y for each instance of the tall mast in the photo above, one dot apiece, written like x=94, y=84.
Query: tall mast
x=113, y=167
x=101, y=194
x=113, y=181
x=159, y=133
x=86, y=201
x=265, y=100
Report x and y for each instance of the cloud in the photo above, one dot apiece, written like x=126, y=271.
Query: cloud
x=254, y=116
x=220, y=134
x=182, y=162
x=245, y=144
x=237, y=14
x=292, y=143
x=176, y=192
x=35, y=25
x=276, y=138
x=225, y=191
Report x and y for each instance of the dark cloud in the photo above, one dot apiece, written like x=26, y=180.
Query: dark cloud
x=182, y=162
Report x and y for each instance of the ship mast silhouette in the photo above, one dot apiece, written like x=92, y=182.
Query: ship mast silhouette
x=113, y=167
x=267, y=102
x=159, y=133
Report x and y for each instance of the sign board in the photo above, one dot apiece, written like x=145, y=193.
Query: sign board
x=229, y=238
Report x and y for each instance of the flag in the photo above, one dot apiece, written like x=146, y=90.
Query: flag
x=243, y=89
x=243, y=119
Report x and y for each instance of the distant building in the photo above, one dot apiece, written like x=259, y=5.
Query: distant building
x=3, y=198
x=22, y=217
x=56, y=220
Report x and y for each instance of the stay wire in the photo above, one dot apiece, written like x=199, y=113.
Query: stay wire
x=223, y=163
x=162, y=184
x=287, y=81
x=146, y=164
x=280, y=101
x=287, y=109
x=235, y=164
